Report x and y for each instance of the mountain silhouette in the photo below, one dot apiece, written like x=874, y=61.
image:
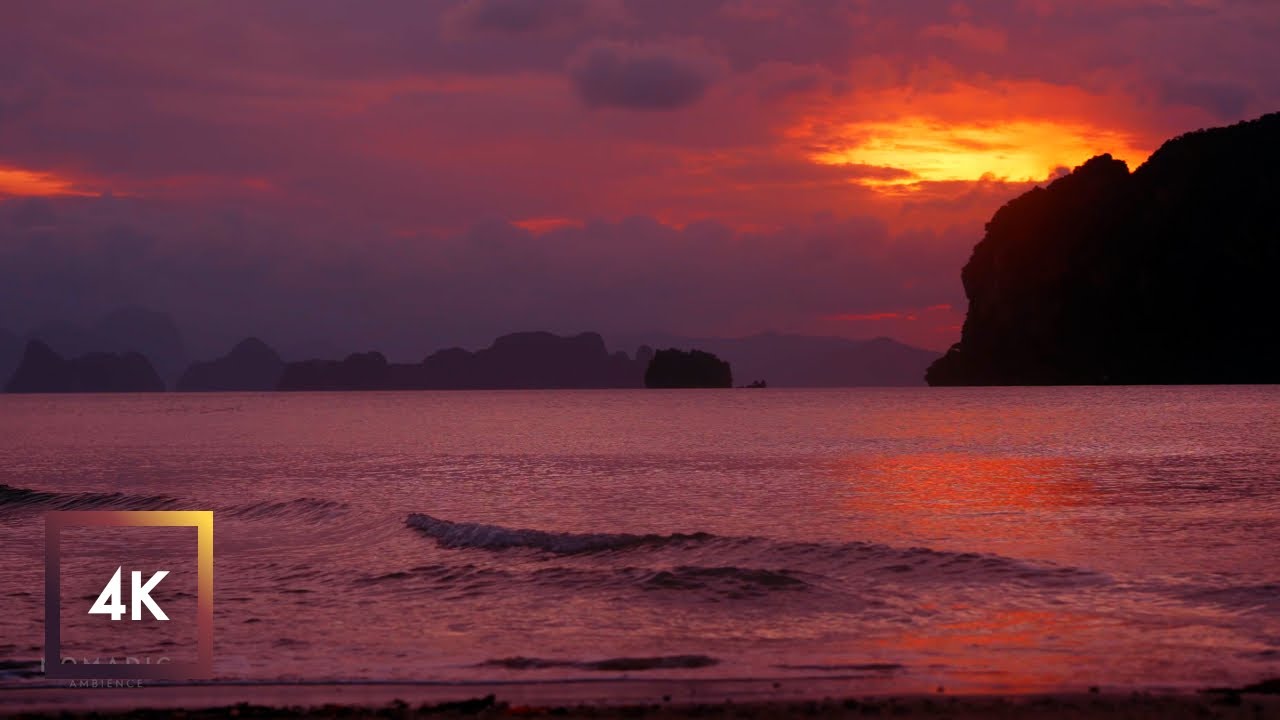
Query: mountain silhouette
x=1161, y=276
x=127, y=329
x=44, y=371
x=533, y=360
x=251, y=365
x=673, y=368
x=10, y=353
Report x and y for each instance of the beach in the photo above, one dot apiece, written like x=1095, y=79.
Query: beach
x=681, y=700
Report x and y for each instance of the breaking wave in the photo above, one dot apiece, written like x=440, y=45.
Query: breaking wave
x=496, y=537
x=697, y=560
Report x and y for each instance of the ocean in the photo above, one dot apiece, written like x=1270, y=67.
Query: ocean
x=980, y=539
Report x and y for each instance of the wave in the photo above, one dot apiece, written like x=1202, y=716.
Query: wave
x=443, y=581
x=20, y=669
x=15, y=499
x=741, y=559
x=619, y=664
x=729, y=578
x=468, y=579
x=1253, y=598
x=452, y=534
x=308, y=509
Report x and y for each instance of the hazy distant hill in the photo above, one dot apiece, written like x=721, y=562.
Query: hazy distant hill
x=251, y=365
x=518, y=360
x=44, y=371
x=1165, y=275
x=128, y=329
x=809, y=361
x=10, y=354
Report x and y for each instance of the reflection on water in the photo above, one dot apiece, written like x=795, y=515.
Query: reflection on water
x=973, y=502
x=977, y=539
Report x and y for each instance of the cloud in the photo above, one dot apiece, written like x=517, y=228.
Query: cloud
x=516, y=17
x=87, y=255
x=20, y=182
x=329, y=158
x=969, y=36
x=635, y=77
x=1224, y=99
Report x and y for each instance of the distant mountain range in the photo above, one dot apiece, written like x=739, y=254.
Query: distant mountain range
x=10, y=354
x=128, y=329
x=44, y=371
x=518, y=360
x=251, y=365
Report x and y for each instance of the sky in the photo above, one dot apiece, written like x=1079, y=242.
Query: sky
x=407, y=175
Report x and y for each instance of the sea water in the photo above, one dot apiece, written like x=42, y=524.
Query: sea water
x=981, y=539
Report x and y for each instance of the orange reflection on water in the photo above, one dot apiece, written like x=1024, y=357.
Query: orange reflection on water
x=1019, y=506
x=1013, y=650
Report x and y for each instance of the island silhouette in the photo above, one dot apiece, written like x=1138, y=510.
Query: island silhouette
x=127, y=329
x=44, y=371
x=518, y=360
x=525, y=360
x=674, y=368
x=251, y=365
x=1165, y=275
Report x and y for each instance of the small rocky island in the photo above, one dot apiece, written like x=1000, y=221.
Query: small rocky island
x=1165, y=275
x=44, y=371
x=692, y=369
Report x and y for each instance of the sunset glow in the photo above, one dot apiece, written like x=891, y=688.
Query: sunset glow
x=935, y=151
x=540, y=225
x=28, y=183
x=742, y=167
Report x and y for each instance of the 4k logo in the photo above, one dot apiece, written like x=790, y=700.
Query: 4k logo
x=109, y=601
x=114, y=603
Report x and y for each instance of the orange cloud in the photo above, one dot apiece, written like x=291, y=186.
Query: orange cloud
x=1013, y=132
x=1013, y=151
x=32, y=183
x=875, y=316
x=991, y=40
x=540, y=225
x=865, y=317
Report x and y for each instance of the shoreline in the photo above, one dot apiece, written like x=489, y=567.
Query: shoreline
x=1134, y=706
x=621, y=698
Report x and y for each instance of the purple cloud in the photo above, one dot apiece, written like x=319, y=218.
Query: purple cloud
x=641, y=77
x=531, y=16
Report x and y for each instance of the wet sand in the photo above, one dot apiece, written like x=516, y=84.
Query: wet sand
x=746, y=700
x=959, y=708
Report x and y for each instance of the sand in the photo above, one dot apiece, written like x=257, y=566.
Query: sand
x=624, y=701
x=959, y=708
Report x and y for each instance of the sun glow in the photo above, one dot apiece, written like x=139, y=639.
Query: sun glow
x=26, y=183
x=935, y=151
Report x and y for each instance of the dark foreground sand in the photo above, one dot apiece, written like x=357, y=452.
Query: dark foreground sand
x=959, y=708
x=610, y=701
